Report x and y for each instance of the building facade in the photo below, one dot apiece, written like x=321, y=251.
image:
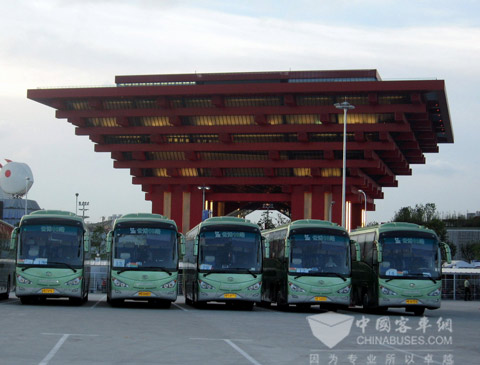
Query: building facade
x=259, y=137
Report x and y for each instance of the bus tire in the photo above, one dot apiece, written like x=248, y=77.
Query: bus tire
x=7, y=293
x=419, y=311
x=116, y=302
x=366, y=300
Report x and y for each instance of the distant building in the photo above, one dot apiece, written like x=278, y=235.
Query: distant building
x=13, y=209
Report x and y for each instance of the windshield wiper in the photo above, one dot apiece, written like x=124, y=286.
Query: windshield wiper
x=251, y=273
x=62, y=263
x=420, y=275
x=156, y=268
x=337, y=274
x=127, y=269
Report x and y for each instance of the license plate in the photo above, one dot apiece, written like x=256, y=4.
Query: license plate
x=320, y=299
x=229, y=295
x=412, y=301
x=144, y=293
x=48, y=291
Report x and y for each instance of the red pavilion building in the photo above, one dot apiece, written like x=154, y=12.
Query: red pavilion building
x=259, y=137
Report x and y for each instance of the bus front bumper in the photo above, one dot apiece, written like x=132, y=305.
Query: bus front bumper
x=54, y=292
x=431, y=303
x=170, y=295
x=319, y=299
x=204, y=296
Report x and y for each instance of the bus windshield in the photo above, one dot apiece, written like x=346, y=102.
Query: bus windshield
x=142, y=248
x=230, y=250
x=52, y=245
x=317, y=253
x=409, y=255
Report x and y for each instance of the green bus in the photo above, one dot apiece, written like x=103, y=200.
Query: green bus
x=143, y=259
x=52, y=248
x=400, y=267
x=223, y=263
x=309, y=263
x=7, y=261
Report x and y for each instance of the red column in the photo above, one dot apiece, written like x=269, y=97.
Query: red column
x=357, y=215
x=195, y=207
x=177, y=206
x=318, y=203
x=297, y=202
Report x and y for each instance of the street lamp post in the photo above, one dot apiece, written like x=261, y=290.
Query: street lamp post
x=83, y=209
x=203, y=188
x=76, y=203
x=365, y=198
x=345, y=106
x=27, y=179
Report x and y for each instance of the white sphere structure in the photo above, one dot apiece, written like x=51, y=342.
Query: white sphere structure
x=16, y=178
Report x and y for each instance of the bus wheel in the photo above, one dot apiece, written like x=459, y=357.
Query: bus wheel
x=116, y=302
x=366, y=300
x=419, y=311
x=76, y=301
x=26, y=300
x=7, y=293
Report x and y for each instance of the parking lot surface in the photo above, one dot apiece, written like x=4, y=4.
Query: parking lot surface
x=56, y=332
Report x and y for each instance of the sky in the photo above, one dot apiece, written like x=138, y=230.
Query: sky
x=54, y=43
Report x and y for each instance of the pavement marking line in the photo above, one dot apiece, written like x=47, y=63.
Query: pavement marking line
x=98, y=301
x=54, y=350
x=57, y=346
x=178, y=306
x=243, y=353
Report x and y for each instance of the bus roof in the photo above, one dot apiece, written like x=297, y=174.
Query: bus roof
x=307, y=223
x=231, y=221
x=144, y=217
x=52, y=214
x=393, y=226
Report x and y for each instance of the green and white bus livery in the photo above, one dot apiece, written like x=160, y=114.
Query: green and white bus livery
x=223, y=262
x=52, y=246
x=7, y=260
x=309, y=264
x=400, y=267
x=143, y=259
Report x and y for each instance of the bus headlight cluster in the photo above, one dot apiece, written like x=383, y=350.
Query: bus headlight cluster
x=255, y=286
x=170, y=284
x=205, y=285
x=345, y=290
x=22, y=280
x=75, y=281
x=387, y=291
x=435, y=293
x=119, y=283
x=295, y=288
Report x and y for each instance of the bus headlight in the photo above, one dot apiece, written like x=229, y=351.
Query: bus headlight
x=255, y=286
x=345, y=290
x=204, y=285
x=169, y=285
x=119, y=283
x=387, y=291
x=75, y=281
x=295, y=288
x=435, y=293
x=22, y=280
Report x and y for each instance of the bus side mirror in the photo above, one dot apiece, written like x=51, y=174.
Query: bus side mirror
x=195, y=247
x=379, y=252
x=181, y=239
x=287, y=248
x=357, y=249
x=109, y=241
x=267, y=249
x=13, y=239
x=86, y=241
x=447, y=253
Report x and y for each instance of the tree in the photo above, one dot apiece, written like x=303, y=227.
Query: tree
x=425, y=215
x=470, y=251
x=268, y=220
